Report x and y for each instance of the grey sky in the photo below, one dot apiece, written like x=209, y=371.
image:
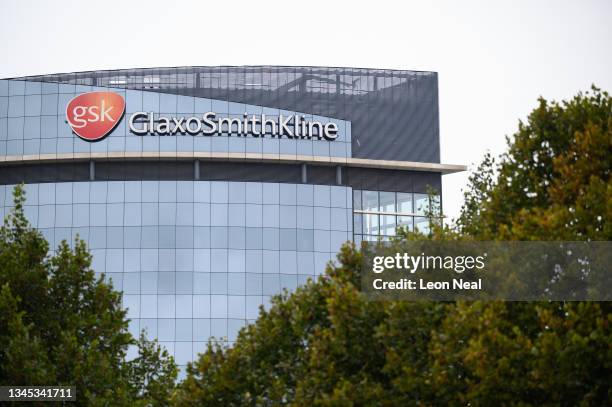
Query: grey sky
x=494, y=58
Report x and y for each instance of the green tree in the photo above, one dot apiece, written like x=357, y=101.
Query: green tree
x=492, y=353
x=61, y=325
x=326, y=344
x=553, y=183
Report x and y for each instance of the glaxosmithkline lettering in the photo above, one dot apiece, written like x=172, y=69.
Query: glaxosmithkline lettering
x=292, y=126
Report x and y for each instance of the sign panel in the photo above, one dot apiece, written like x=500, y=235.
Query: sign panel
x=92, y=116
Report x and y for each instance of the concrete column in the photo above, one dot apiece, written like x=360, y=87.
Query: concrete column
x=92, y=170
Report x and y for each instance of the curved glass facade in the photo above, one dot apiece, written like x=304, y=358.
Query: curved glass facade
x=198, y=231
x=195, y=259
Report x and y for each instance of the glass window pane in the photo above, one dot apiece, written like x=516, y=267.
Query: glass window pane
x=370, y=224
x=305, y=240
x=421, y=225
x=356, y=200
x=421, y=204
x=357, y=222
x=253, y=284
x=218, y=283
x=405, y=222
x=183, y=330
x=305, y=195
x=271, y=284
x=387, y=202
x=435, y=205
x=404, y=202
x=370, y=200
x=387, y=225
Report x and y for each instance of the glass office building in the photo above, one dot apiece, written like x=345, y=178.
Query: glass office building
x=198, y=230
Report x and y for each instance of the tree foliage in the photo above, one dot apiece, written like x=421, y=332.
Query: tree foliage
x=325, y=344
x=553, y=183
x=61, y=325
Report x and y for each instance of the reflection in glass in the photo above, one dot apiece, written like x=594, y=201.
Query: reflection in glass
x=404, y=202
x=405, y=222
x=387, y=202
x=435, y=205
x=387, y=225
x=142, y=234
x=421, y=204
x=357, y=223
x=370, y=200
x=421, y=224
x=370, y=224
x=356, y=200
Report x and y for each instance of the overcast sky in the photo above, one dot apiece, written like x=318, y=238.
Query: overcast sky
x=494, y=58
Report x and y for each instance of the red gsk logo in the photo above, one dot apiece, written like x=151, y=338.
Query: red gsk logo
x=93, y=115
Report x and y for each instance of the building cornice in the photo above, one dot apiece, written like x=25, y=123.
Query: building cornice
x=237, y=157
